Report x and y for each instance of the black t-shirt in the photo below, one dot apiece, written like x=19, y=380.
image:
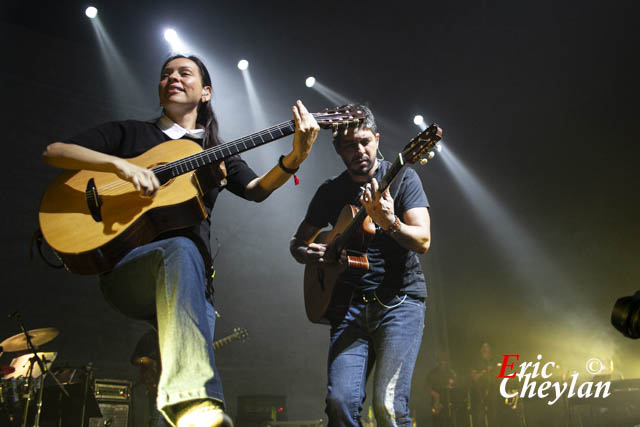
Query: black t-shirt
x=391, y=267
x=131, y=138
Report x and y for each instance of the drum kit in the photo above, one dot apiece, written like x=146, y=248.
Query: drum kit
x=22, y=381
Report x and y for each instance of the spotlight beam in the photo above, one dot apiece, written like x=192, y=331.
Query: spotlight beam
x=517, y=244
x=333, y=96
x=254, y=100
x=124, y=88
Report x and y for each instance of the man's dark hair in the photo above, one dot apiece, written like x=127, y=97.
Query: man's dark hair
x=368, y=123
x=206, y=116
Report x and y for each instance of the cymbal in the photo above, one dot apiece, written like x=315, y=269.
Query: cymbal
x=38, y=337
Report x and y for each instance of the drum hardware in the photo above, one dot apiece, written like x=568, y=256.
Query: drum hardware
x=38, y=363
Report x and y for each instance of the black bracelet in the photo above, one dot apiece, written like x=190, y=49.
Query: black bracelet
x=286, y=169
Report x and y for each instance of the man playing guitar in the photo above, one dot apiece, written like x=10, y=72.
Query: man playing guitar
x=384, y=320
x=166, y=282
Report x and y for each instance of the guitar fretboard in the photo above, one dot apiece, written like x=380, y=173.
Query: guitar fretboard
x=224, y=151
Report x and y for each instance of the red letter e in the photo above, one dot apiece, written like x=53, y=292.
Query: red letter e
x=505, y=365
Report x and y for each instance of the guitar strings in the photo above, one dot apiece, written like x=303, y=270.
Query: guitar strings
x=107, y=188
x=111, y=187
x=238, y=141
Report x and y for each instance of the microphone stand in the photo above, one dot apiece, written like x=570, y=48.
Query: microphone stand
x=43, y=369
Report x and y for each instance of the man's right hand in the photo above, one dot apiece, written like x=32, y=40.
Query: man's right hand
x=316, y=253
x=143, y=179
x=323, y=254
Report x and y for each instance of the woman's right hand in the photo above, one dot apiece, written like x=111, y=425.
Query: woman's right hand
x=143, y=179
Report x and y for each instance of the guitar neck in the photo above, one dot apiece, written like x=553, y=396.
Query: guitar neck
x=357, y=221
x=223, y=341
x=223, y=151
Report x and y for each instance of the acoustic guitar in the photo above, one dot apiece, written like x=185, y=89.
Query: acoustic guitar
x=353, y=231
x=149, y=367
x=92, y=219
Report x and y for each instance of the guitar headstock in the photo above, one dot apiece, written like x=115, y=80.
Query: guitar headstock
x=240, y=334
x=343, y=117
x=423, y=144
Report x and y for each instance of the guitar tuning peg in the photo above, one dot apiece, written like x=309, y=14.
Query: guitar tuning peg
x=431, y=154
x=439, y=147
x=335, y=129
x=346, y=130
x=423, y=161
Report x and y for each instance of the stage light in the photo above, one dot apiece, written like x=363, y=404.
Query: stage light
x=243, y=64
x=418, y=120
x=310, y=81
x=91, y=12
x=177, y=45
x=171, y=36
x=625, y=316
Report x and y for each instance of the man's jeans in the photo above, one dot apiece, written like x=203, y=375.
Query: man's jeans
x=165, y=282
x=387, y=332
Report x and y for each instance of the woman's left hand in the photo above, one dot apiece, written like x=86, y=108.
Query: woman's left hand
x=305, y=135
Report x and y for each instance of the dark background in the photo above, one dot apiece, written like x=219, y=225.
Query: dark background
x=538, y=101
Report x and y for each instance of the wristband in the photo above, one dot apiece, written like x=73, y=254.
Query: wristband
x=286, y=169
x=395, y=226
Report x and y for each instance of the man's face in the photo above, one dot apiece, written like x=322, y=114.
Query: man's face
x=358, y=150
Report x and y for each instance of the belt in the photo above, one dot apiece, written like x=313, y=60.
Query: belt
x=366, y=296
x=372, y=295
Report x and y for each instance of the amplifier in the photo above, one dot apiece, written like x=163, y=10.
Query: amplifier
x=257, y=410
x=114, y=400
x=112, y=390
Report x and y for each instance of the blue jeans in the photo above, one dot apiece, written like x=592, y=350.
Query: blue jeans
x=164, y=283
x=386, y=332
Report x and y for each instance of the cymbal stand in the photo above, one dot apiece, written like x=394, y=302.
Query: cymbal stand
x=43, y=369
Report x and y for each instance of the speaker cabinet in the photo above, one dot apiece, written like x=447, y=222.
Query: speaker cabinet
x=113, y=415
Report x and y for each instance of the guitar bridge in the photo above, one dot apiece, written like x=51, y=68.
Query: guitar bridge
x=357, y=260
x=94, y=201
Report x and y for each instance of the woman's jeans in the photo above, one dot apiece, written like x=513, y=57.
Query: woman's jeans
x=164, y=283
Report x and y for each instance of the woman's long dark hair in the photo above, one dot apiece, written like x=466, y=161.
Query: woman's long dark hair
x=206, y=116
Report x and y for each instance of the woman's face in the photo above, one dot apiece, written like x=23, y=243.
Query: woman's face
x=180, y=88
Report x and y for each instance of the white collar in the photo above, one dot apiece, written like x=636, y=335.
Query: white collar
x=175, y=131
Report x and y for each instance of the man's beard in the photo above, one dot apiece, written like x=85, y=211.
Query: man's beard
x=362, y=171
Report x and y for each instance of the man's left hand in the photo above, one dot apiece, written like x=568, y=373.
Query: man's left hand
x=379, y=206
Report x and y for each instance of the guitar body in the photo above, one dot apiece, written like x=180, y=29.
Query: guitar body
x=128, y=220
x=321, y=290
